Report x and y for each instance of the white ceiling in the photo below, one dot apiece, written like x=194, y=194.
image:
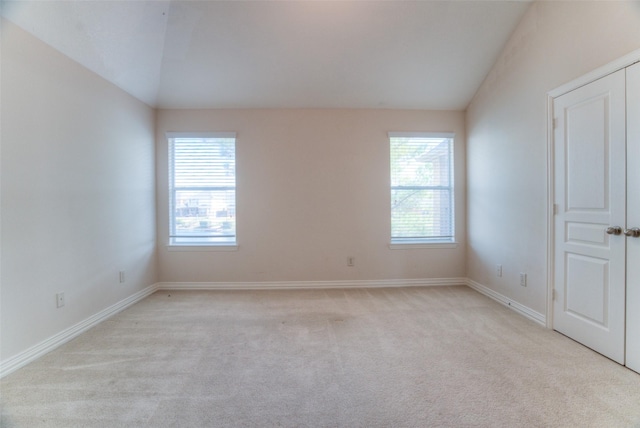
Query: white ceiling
x=287, y=54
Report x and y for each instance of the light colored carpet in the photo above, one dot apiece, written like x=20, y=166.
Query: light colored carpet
x=406, y=357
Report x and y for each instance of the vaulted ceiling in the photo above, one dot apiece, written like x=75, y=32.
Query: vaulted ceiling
x=280, y=54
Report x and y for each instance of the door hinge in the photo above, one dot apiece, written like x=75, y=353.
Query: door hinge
x=553, y=294
x=555, y=209
x=555, y=123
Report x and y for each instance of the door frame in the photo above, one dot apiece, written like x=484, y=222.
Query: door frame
x=612, y=67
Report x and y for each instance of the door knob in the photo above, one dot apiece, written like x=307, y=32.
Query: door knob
x=634, y=232
x=614, y=230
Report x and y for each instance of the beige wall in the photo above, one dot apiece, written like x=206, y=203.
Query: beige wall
x=77, y=177
x=312, y=189
x=556, y=42
x=78, y=192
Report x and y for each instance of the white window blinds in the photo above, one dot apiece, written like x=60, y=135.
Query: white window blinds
x=202, y=189
x=421, y=188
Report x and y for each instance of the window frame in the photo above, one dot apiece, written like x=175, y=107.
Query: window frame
x=425, y=242
x=171, y=189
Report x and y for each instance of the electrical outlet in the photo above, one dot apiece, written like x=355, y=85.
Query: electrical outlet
x=350, y=261
x=121, y=276
x=523, y=279
x=499, y=271
x=60, y=300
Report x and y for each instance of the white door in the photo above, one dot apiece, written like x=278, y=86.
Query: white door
x=633, y=217
x=589, y=145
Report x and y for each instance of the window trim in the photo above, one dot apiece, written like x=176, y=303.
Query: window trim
x=202, y=247
x=194, y=246
x=417, y=243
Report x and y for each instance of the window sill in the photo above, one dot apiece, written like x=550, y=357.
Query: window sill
x=202, y=248
x=423, y=245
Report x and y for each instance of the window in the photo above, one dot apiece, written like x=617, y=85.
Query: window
x=421, y=188
x=202, y=188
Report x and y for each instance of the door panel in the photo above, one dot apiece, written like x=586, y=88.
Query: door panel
x=587, y=277
x=587, y=234
x=586, y=185
x=589, y=144
x=633, y=217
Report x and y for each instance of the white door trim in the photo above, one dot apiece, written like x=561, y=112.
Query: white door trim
x=612, y=67
x=632, y=343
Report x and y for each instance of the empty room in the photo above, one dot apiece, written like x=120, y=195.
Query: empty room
x=319, y=213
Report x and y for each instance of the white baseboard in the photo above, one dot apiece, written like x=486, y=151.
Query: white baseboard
x=286, y=285
x=521, y=309
x=48, y=345
x=36, y=351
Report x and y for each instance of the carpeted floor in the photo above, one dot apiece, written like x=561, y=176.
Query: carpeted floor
x=405, y=357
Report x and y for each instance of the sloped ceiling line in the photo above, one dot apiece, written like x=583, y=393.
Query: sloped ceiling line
x=280, y=54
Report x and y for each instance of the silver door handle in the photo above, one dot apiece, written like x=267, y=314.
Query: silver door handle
x=634, y=232
x=614, y=230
